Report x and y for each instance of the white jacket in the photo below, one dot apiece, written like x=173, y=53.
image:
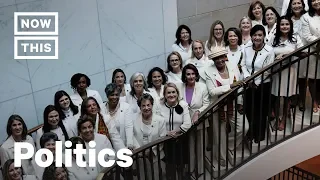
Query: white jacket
x=77, y=100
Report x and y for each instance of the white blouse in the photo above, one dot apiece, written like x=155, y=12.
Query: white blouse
x=174, y=78
x=253, y=61
x=271, y=34
x=70, y=122
x=256, y=22
x=175, y=121
x=185, y=53
x=58, y=131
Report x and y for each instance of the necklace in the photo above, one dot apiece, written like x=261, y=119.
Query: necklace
x=224, y=71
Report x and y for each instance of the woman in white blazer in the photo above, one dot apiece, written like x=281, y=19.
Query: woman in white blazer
x=103, y=125
x=156, y=80
x=174, y=67
x=255, y=12
x=17, y=132
x=215, y=40
x=10, y=172
x=53, y=123
x=68, y=112
x=183, y=42
x=245, y=26
x=286, y=4
x=199, y=59
x=79, y=173
x=139, y=86
x=120, y=78
x=176, y=114
x=257, y=56
x=233, y=41
x=311, y=32
x=221, y=78
x=47, y=141
x=149, y=127
x=284, y=85
x=80, y=83
x=270, y=17
x=120, y=113
x=195, y=93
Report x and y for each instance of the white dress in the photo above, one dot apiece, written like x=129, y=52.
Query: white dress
x=286, y=47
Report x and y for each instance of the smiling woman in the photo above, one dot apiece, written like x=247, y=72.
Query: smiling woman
x=17, y=132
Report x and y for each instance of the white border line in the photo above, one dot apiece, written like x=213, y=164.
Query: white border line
x=56, y=42
x=26, y=33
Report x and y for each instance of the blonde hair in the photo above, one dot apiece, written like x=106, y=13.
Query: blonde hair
x=196, y=41
x=243, y=18
x=173, y=86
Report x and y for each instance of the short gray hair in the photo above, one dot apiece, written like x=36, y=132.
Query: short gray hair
x=111, y=88
x=133, y=77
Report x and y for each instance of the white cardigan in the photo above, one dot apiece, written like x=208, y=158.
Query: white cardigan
x=124, y=116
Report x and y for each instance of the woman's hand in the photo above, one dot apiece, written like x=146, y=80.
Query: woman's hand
x=195, y=117
x=237, y=83
x=173, y=133
x=280, y=56
x=240, y=108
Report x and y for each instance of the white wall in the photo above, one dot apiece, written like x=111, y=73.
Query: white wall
x=200, y=14
x=281, y=157
x=95, y=37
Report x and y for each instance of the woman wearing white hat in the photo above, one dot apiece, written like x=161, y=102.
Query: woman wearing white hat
x=221, y=77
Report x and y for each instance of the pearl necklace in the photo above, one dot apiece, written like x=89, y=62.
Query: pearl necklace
x=224, y=71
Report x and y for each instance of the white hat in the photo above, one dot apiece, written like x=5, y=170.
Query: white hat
x=218, y=52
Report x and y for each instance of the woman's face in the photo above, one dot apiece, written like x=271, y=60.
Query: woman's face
x=92, y=107
x=16, y=128
x=316, y=4
x=51, y=145
x=190, y=76
x=174, y=62
x=284, y=26
x=138, y=84
x=296, y=6
x=233, y=38
x=156, y=79
x=245, y=25
x=184, y=35
x=119, y=78
x=14, y=172
x=53, y=118
x=113, y=98
x=64, y=102
x=61, y=174
x=218, y=31
x=270, y=17
x=258, y=38
x=198, y=50
x=82, y=84
x=86, y=131
x=171, y=95
x=146, y=108
x=257, y=11
x=220, y=62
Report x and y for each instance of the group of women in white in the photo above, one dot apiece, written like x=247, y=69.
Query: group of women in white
x=143, y=109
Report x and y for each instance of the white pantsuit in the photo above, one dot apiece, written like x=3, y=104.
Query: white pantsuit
x=77, y=100
x=286, y=47
x=70, y=122
x=155, y=94
x=311, y=32
x=184, y=53
x=82, y=173
x=123, y=121
x=215, y=90
x=270, y=35
x=200, y=101
x=201, y=65
x=58, y=131
x=145, y=134
x=114, y=135
x=235, y=57
x=7, y=152
x=127, y=89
